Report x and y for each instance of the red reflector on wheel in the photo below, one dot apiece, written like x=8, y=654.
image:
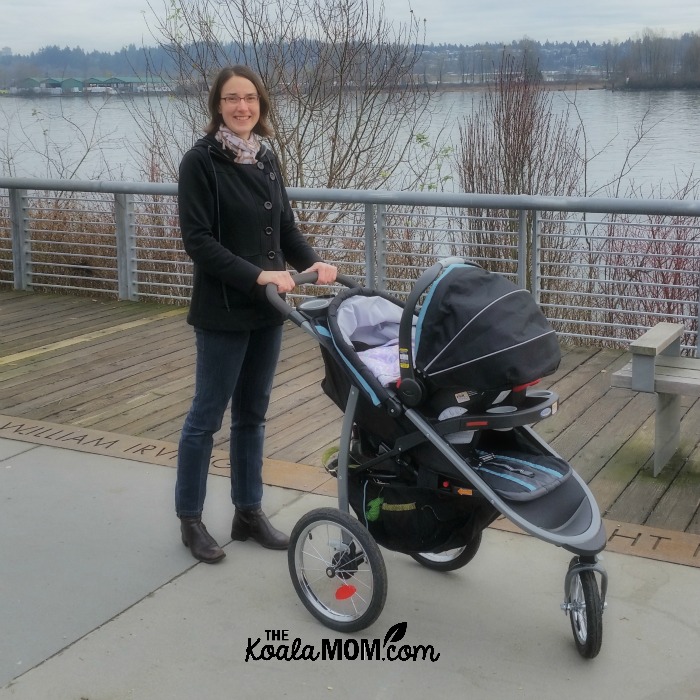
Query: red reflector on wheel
x=345, y=592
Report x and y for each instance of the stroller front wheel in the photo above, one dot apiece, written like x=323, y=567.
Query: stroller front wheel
x=585, y=610
x=337, y=570
x=451, y=559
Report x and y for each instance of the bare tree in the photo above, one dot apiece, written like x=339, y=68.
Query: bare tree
x=690, y=62
x=515, y=143
x=346, y=110
x=65, y=142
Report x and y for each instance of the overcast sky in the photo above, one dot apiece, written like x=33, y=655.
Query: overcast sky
x=28, y=25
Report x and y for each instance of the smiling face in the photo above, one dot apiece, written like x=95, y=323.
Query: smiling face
x=239, y=115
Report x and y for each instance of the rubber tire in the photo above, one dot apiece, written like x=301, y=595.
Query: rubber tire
x=586, y=622
x=461, y=558
x=340, y=616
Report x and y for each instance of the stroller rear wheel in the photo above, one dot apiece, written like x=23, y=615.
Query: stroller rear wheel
x=337, y=570
x=585, y=609
x=451, y=559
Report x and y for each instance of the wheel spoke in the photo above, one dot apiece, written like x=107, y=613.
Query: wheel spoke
x=362, y=582
x=318, y=556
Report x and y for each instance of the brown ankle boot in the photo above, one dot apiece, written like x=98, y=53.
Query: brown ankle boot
x=202, y=545
x=254, y=524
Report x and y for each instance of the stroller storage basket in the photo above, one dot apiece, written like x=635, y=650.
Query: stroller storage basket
x=413, y=519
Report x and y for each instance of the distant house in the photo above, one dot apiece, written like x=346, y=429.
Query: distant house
x=97, y=85
x=28, y=84
x=154, y=84
x=128, y=84
x=134, y=83
x=118, y=84
x=94, y=85
x=72, y=85
x=47, y=86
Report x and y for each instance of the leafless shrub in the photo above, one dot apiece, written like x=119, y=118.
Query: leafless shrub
x=514, y=143
x=164, y=270
x=72, y=242
x=6, y=261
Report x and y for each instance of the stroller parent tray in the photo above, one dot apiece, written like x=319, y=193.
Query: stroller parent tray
x=533, y=407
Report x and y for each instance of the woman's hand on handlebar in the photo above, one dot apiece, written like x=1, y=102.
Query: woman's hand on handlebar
x=284, y=282
x=326, y=273
x=281, y=279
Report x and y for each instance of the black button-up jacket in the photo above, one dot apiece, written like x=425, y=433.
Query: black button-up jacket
x=235, y=221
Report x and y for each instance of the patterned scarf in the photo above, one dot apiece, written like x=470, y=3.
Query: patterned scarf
x=243, y=151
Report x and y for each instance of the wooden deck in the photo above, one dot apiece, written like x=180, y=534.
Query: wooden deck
x=127, y=369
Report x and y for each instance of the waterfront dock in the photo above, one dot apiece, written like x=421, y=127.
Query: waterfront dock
x=102, y=376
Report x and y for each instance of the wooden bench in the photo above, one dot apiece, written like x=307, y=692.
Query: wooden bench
x=656, y=367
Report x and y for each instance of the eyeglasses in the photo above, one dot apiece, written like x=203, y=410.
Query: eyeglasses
x=235, y=99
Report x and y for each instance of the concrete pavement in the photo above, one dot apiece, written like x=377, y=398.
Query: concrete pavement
x=99, y=599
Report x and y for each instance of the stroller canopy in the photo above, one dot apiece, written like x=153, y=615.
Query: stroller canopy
x=478, y=330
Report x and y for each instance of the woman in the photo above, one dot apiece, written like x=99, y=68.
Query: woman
x=239, y=229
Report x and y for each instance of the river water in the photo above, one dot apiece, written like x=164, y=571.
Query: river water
x=98, y=137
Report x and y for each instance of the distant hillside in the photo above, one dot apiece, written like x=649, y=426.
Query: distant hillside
x=649, y=61
x=56, y=62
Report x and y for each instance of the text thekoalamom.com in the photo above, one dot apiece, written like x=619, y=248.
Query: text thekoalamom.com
x=339, y=650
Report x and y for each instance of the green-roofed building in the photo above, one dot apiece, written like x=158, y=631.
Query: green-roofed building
x=70, y=85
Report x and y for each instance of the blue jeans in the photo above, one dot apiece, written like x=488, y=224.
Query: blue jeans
x=237, y=366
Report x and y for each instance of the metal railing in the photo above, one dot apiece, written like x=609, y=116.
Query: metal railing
x=603, y=270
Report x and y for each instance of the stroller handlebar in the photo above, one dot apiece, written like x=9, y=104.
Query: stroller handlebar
x=300, y=278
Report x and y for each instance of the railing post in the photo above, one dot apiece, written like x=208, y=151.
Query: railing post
x=522, y=248
x=697, y=324
x=21, y=250
x=535, y=253
x=126, y=246
x=370, y=248
x=381, y=247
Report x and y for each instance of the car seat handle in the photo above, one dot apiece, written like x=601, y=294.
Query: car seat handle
x=411, y=388
x=406, y=325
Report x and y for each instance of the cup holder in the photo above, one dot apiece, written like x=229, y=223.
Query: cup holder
x=315, y=307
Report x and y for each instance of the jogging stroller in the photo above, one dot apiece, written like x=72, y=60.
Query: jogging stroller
x=438, y=396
